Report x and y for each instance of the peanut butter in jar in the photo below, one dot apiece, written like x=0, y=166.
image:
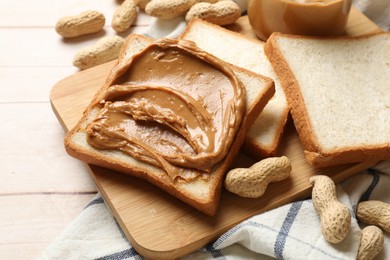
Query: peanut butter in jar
x=300, y=17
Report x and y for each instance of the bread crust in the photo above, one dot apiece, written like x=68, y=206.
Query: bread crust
x=115, y=159
x=315, y=154
x=252, y=147
x=257, y=151
x=294, y=98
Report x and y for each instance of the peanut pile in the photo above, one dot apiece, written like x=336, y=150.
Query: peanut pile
x=335, y=218
x=220, y=12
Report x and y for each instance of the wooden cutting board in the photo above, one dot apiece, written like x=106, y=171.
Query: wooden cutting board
x=158, y=225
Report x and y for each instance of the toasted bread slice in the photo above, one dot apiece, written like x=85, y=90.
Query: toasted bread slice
x=202, y=194
x=338, y=91
x=264, y=136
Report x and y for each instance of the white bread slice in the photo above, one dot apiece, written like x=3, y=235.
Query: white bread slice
x=264, y=136
x=339, y=93
x=201, y=194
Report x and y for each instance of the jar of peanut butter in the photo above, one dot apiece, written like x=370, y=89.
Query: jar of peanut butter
x=300, y=17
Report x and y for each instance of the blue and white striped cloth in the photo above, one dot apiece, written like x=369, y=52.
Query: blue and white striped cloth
x=289, y=232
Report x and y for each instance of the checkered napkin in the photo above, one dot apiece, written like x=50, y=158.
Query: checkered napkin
x=377, y=10
x=289, y=232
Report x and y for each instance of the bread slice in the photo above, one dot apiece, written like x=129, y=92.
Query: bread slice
x=338, y=91
x=264, y=136
x=202, y=194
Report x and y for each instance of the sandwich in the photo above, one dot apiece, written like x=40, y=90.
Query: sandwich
x=172, y=114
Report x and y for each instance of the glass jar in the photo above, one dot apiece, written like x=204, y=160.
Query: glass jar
x=301, y=17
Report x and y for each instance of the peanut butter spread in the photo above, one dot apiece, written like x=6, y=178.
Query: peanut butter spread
x=173, y=106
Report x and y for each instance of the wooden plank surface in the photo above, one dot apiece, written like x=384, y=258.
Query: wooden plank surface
x=158, y=225
x=42, y=189
x=45, y=13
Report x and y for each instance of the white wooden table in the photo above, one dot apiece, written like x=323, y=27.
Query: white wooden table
x=42, y=189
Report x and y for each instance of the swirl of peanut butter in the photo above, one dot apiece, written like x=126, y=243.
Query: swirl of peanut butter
x=173, y=106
